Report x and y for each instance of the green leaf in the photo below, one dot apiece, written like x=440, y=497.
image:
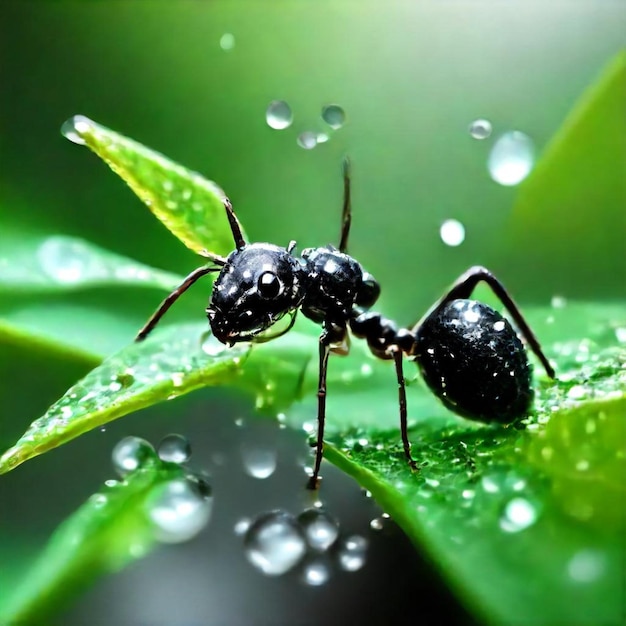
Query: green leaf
x=570, y=213
x=189, y=205
x=60, y=263
x=174, y=361
x=84, y=332
x=113, y=528
x=527, y=525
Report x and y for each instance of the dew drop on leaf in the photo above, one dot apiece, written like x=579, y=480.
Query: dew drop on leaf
x=278, y=115
x=275, y=543
x=130, y=453
x=74, y=127
x=511, y=158
x=519, y=513
x=180, y=510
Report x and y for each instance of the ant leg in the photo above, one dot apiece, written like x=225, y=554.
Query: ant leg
x=167, y=303
x=346, y=214
x=465, y=285
x=397, y=357
x=324, y=351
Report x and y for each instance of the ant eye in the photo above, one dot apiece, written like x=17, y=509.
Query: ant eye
x=268, y=285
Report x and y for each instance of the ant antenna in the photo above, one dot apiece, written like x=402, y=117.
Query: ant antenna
x=235, y=226
x=346, y=214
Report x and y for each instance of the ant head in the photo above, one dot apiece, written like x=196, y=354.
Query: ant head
x=257, y=286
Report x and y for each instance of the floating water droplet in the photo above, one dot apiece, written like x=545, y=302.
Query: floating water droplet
x=620, y=334
x=278, y=115
x=452, y=233
x=320, y=529
x=227, y=41
x=241, y=526
x=480, y=129
x=377, y=523
x=316, y=572
x=352, y=553
x=519, y=514
x=275, y=543
x=308, y=427
x=334, y=116
x=74, y=127
x=307, y=140
x=174, y=449
x=180, y=510
x=586, y=566
x=322, y=137
x=68, y=260
x=130, y=453
x=558, y=302
x=258, y=462
x=511, y=158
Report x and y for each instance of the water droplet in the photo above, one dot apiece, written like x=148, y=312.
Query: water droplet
x=241, y=526
x=258, y=462
x=519, y=514
x=586, y=566
x=180, y=510
x=352, y=553
x=227, y=41
x=130, y=453
x=174, y=449
x=307, y=140
x=278, y=115
x=74, y=127
x=334, y=116
x=480, y=129
x=69, y=260
x=511, y=158
x=377, y=523
x=274, y=543
x=322, y=137
x=558, y=302
x=316, y=572
x=452, y=233
x=320, y=529
x=308, y=427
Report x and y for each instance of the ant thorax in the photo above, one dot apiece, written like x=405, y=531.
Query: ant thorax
x=334, y=284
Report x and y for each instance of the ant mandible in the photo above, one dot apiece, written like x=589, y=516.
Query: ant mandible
x=468, y=354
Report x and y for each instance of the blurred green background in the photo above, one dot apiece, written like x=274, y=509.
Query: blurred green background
x=411, y=77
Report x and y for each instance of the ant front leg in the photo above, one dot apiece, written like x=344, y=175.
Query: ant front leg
x=167, y=303
x=331, y=335
x=465, y=285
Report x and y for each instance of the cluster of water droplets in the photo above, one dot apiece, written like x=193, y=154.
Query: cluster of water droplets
x=278, y=542
x=177, y=509
x=279, y=116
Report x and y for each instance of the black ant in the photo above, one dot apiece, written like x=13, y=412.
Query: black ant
x=469, y=355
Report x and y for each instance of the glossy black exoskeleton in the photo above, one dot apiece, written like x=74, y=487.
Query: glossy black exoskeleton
x=468, y=354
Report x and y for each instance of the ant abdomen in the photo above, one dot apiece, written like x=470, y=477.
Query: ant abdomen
x=472, y=359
